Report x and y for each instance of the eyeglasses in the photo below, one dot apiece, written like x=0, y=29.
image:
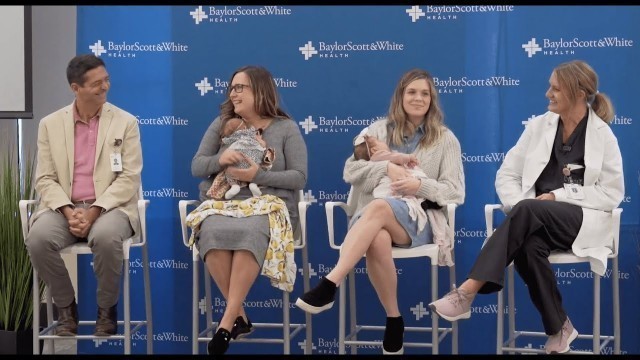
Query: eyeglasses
x=238, y=88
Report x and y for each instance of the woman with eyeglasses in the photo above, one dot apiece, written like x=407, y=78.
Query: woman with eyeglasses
x=414, y=125
x=235, y=249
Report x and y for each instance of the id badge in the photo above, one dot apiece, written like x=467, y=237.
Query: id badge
x=116, y=162
x=574, y=191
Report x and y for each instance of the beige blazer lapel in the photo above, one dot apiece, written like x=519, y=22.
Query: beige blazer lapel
x=103, y=129
x=69, y=137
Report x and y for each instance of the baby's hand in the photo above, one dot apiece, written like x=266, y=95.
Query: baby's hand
x=396, y=172
x=412, y=161
x=230, y=157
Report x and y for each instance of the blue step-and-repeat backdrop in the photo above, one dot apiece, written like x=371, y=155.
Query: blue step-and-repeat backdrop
x=336, y=68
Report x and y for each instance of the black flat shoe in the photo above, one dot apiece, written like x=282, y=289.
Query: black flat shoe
x=318, y=299
x=393, y=336
x=219, y=343
x=241, y=328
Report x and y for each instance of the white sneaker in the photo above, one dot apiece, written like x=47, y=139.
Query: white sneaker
x=454, y=306
x=560, y=342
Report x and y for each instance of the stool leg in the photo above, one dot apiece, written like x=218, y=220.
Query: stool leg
x=454, y=326
x=500, y=325
x=352, y=310
x=511, y=298
x=127, y=304
x=36, y=313
x=434, y=316
x=341, y=315
x=208, y=299
x=50, y=344
x=615, y=282
x=194, y=305
x=147, y=298
x=308, y=348
x=596, y=313
x=286, y=323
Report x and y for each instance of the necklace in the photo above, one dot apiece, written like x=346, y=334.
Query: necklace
x=260, y=124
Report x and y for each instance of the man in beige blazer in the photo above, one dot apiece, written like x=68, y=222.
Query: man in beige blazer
x=87, y=181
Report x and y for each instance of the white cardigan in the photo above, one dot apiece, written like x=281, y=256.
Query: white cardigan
x=603, y=180
x=441, y=162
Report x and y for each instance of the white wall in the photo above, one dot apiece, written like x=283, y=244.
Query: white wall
x=54, y=44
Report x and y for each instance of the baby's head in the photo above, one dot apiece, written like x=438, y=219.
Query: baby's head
x=232, y=125
x=361, y=152
x=366, y=145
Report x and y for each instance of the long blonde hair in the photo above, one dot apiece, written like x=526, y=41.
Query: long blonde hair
x=433, y=119
x=577, y=75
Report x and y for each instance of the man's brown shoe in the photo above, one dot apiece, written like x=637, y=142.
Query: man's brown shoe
x=107, y=324
x=67, y=320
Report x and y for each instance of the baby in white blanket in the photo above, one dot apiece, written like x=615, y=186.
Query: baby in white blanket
x=369, y=148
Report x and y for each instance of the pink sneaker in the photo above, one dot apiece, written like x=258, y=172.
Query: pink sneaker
x=559, y=343
x=454, y=306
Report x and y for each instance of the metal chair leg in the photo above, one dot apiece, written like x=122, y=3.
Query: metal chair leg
x=434, y=316
x=306, y=282
x=615, y=282
x=500, y=327
x=147, y=298
x=353, y=310
x=127, y=304
x=454, y=325
x=194, y=306
x=596, y=313
x=36, y=313
x=341, y=315
x=511, y=307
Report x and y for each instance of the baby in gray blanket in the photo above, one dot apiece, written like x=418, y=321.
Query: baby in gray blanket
x=249, y=142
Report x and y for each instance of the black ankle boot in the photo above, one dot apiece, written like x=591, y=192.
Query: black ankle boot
x=318, y=299
x=393, y=336
x=219, y=343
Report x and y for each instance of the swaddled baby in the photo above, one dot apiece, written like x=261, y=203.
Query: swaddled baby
x=249, y=142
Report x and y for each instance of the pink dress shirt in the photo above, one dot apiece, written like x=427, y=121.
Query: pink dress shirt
x=85, y=139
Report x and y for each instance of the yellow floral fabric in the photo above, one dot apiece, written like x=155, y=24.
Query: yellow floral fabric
x=279, y=263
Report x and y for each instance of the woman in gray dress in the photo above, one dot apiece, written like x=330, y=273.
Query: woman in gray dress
x=234, y=249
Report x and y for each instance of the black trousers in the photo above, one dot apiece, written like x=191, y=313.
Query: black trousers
x=531, y=230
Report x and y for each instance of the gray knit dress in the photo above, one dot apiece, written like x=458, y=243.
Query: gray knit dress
x=287, y=175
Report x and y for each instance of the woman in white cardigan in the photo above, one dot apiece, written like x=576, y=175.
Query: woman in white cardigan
x=414, y=126
x=558, y=185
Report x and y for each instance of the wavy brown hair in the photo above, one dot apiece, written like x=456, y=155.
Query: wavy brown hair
x=264, y=91
x=433, y=119
x=575, y=76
